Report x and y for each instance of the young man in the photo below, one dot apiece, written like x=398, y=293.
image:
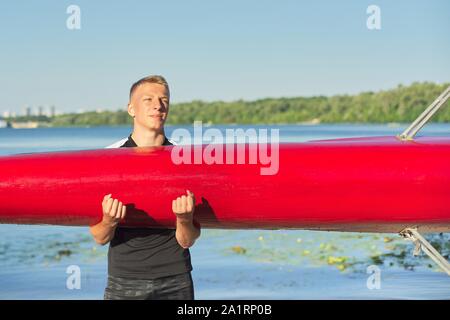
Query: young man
x=145, y=263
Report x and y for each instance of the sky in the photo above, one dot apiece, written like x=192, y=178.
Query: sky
x=215, y=50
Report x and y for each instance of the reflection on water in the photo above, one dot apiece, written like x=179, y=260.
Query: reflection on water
x=228, y=264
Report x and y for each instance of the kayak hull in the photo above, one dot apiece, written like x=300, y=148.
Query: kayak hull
x=378, y=184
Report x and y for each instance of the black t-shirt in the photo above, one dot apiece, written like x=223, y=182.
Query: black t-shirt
x=145, y=253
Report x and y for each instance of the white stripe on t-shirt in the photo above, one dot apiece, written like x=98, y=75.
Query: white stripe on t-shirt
x=120, y=143
x=117, y=144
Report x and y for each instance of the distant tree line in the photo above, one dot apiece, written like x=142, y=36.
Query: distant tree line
x=401, y=104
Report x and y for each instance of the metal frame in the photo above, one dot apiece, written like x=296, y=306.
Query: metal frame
x=422, y=244
x=412, y=130
x=412, y=234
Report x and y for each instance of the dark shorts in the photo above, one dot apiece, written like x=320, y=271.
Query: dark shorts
x=177, y=287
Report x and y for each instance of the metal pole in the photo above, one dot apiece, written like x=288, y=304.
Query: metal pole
x=421, y=243
x=412, y=130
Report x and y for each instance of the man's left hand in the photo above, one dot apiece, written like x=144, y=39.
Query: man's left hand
x=184, y=207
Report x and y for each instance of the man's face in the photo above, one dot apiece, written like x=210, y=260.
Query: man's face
x=149, y=105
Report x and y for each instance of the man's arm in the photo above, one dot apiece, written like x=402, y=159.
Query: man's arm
x=113, y=212
x=187, y=230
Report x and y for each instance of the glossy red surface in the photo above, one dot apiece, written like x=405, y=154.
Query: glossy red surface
x=359, y=184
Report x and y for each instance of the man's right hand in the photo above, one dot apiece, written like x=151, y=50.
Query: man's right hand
x=113, y=211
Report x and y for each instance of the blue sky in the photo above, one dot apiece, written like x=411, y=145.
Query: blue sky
x=215, y=50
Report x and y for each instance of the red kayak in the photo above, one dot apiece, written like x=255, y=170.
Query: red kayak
x=377, y=184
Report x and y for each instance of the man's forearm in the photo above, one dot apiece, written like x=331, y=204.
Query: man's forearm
x=103, y=232
x=186, y=233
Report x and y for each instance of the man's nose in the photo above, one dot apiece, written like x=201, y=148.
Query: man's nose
x=158, y=105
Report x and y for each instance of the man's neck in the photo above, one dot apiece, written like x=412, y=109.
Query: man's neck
x=148, y=138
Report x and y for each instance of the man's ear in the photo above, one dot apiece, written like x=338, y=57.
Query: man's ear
x=131, y=110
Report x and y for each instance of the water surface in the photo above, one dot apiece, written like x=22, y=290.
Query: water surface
x=228, y=264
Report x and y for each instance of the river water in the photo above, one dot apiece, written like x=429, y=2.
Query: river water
x=228, y=264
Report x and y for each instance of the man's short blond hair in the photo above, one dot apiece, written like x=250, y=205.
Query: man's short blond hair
x=149, y=79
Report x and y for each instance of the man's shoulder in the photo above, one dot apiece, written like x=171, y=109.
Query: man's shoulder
x=171, y=142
